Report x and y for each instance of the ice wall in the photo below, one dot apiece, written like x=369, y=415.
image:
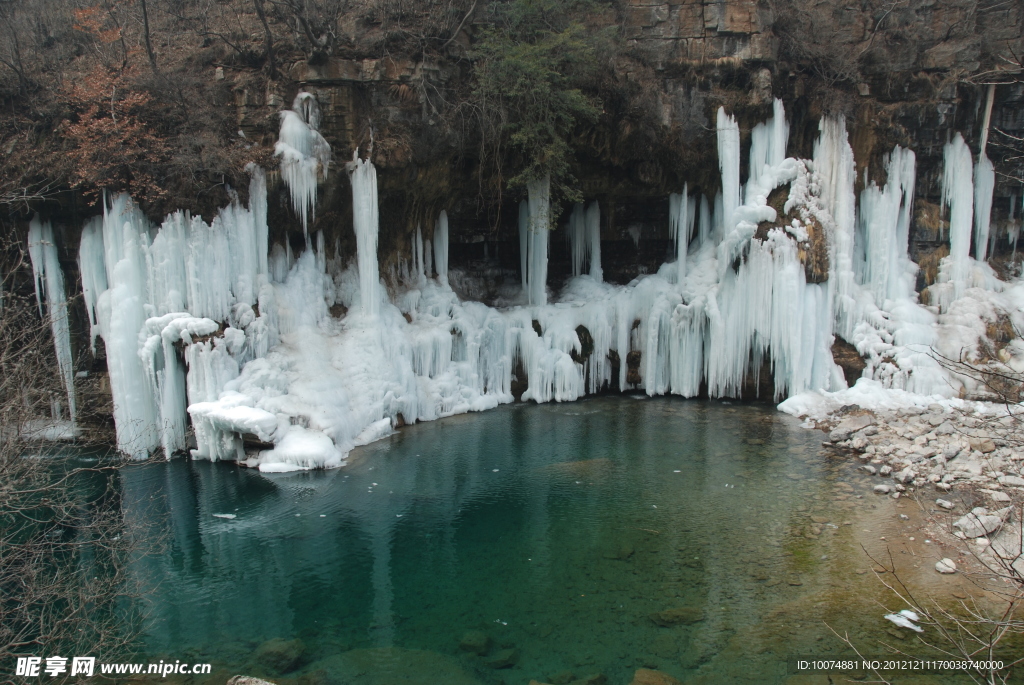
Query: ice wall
x=305, y=154
x=176, y=307
x=48, y=280
x=151, y=292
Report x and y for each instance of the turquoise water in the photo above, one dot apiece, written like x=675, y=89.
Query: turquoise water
x=555, y=530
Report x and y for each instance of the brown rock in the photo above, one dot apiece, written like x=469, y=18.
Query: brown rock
x=848, y=359
x=645, y=676
x=679, y=616
x=984, y=445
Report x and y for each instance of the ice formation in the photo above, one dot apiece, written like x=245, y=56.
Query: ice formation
x=48, y=280
x=204, y=322
x=440, y=246
x=366, y=221
x=536, y=229
x=150, y=297
x=305, y=155
x=584, y=235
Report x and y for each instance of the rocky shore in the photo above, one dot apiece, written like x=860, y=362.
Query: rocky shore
x=965, y=461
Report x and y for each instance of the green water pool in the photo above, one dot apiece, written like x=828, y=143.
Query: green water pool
x=708, y=540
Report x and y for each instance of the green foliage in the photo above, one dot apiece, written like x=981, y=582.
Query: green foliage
x=529, y=67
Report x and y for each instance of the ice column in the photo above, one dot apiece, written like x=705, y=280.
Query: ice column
x=49, y=283
x=524, y=244
x=593, y=221
x=958, y=195
x=539, y=193
x=680, y=225
x=884, y=220
x=729, y=164
x=305, y=154
x=441, y=247
x=984, y=185
x=768, y=144
x=366, y=223
x=577, y=234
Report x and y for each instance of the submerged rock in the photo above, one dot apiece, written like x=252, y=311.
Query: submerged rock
x=280, y=655
x=475, y=641
x=390, y=666
x=503, y=658
x=646, y=676
x=679, y=616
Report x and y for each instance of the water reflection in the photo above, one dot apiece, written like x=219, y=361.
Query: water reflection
x=575, y=521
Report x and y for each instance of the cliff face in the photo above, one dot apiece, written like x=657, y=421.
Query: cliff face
x=910, y=74
x=396, y=83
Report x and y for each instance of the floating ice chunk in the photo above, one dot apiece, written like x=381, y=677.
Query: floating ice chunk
x=904, y=621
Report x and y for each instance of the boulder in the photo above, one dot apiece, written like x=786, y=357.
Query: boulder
x=280, y=655
x=975, y=525
x=849, y=426
x=983, y=445
x=679, y=616
x=646, y=676
x=945, y=566
x=944, y=503
x=1015, y=481
x=883, y=488
x=248, y=680
x=475, y=642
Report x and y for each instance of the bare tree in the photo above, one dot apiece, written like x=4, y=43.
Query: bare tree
x=65, y=546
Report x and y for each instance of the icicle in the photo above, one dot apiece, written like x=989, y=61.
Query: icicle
x=984, y=184
x=576, y=234
x=49, y=281
x=704, y=228
x=366, y=223
x=729, y=164
x=593, y=226
x=417, y=248
x=441, y=247
x=258, y=207
x=678, y=221
x=305, y=155
x=538, y=191
x=885, y=216
x=958, y=195
x=524, y=244
x=768, y=145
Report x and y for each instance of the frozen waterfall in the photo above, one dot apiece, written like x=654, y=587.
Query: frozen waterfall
x=48, y=280
x=203, y=322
